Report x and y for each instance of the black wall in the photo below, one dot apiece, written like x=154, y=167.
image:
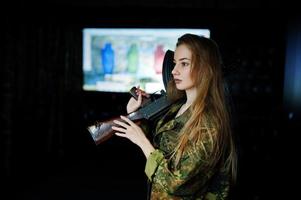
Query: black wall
x=46, y=152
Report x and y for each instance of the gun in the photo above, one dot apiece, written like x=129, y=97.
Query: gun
x=150, y=109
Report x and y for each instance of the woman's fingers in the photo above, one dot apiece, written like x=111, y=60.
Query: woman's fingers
x=128, y=129
x=128, y=121
x=142, y=92
x=139, y=99
x=121, y=135
x=122, y=124
x=122, y=130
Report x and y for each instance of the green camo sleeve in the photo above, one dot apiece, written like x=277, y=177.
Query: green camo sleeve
x=153, y=162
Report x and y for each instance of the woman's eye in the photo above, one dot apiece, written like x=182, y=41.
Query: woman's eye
x=184, y=64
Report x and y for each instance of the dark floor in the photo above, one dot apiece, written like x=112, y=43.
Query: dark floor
x=112, y=171
x=115, y=170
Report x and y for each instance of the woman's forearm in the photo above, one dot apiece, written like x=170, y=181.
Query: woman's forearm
x=146, y=147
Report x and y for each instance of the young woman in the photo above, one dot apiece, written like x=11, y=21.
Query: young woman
x=192, y=153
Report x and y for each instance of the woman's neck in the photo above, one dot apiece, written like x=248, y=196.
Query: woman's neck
x=190, y=95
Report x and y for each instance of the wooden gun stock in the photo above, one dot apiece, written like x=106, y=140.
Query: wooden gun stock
x=101, y=131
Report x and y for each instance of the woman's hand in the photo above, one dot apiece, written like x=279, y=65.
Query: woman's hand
x=134, y=104
x=128, y=129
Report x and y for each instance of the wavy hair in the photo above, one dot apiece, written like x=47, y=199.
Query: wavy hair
x=210, y=119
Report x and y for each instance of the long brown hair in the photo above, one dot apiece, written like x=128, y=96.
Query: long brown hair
x=210, y=118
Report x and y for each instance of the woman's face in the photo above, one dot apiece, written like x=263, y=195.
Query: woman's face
x=182, y=70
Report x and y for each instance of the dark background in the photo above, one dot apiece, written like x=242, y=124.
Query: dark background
x=45, y=150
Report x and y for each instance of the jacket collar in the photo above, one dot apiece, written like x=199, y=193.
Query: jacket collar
x=169, y=121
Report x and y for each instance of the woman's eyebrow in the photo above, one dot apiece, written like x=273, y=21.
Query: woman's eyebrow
x=181, y=59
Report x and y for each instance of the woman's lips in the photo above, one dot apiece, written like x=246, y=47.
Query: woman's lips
x=177, y=81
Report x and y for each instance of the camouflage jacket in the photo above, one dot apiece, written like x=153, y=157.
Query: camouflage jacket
x=188, y=180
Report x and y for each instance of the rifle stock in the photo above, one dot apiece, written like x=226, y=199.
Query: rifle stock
x=102, y=131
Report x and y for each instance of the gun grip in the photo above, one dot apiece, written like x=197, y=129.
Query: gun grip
x=145, y=100
x=133, y=93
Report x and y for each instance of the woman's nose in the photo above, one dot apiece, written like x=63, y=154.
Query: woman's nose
x=175, y=70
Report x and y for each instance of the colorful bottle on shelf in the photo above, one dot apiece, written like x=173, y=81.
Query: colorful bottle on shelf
x=107, y=58
x=133, y=59
x=159, y=56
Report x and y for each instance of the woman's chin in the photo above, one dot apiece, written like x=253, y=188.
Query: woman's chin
x=180, y=88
